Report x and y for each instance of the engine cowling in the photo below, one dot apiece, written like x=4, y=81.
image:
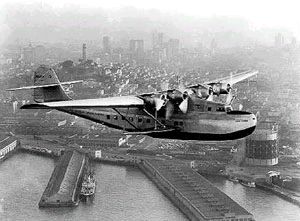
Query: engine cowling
x=220, y=88
x=171, y=100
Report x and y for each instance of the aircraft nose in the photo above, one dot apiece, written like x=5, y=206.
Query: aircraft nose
x=253, y=119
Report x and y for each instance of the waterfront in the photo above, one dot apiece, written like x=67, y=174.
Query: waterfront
x=122, y=194
x=263, y=205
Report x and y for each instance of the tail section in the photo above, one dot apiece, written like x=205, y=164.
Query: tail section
x=47, y=87
x=50, y=88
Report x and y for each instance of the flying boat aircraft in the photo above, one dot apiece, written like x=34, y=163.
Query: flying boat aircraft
x=186, y=114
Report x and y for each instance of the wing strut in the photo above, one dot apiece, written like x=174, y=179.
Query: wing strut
x=125, y=118
x=154, y=118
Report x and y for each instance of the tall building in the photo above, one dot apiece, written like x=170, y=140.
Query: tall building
x=136, y=48
x=172, y=48
x=84, y=52
x=140, y=46
x=106, y=45
x=160, y=39
x=279, y=40
x=39, y=54
x=157, y=40
x=35, y=54
x=28, y=54
x=213, y=46
x=294, y=42
x=132, y=46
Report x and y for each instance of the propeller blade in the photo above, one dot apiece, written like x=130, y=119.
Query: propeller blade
x=210, y=94
x=159, y=103
x=228, y=98
x=229, y=85
x=169, y=109
x=240, y=107
x=184, y=106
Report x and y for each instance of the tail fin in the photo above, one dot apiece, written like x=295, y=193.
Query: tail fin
x=50, y=88
x=47, y=87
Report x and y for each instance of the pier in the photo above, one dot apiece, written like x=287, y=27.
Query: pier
x=65, y=182
x=196, y=197
x=281, y=192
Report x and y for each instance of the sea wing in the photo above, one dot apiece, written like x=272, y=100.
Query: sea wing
x=234, y=78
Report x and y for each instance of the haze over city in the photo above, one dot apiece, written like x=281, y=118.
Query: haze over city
x=231, y=23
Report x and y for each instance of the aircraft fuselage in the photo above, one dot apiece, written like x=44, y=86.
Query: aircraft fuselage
x=192, y=126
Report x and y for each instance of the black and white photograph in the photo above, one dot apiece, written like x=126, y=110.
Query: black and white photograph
x=161, y=110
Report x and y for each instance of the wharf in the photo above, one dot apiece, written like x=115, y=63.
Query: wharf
x=65, y=182
x=40, y=151
x=196, y=197
x=8, y=146
x=281, y=192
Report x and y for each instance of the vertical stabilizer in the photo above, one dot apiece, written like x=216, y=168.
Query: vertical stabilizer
x=52, y=90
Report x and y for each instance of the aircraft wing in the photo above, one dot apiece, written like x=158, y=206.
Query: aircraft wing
x=109, y=102
x=233, y=79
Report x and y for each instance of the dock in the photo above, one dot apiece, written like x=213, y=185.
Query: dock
x=195, y=196
x=281, y=192
x=65, y=182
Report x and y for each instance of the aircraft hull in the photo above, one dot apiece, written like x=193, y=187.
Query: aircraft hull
x=203, y=136
x=204, y=126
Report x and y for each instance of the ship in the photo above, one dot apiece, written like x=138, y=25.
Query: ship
x=247, y=183
x=88, y=187
x=233, y=179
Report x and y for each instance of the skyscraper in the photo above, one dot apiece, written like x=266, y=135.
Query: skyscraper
x=279, y=40
x=106, y=45
x=28, y=54
x=157, y=40
x=213, y=46
x=172, y=48
x=136, y=47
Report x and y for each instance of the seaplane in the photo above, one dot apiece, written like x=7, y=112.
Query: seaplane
x=189, y=113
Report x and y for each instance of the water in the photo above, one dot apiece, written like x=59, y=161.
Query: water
x=122, y=194
x=263, y=205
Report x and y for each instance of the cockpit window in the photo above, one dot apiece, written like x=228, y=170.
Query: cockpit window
x=228, y=109
x=221, y=109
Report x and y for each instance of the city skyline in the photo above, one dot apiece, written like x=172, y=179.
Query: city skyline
x=54, y=22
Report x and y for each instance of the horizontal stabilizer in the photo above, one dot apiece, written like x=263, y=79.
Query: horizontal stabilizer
x=34, y=106
x=44, y=86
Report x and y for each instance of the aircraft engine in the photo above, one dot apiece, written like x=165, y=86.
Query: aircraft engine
x=220, y=88
x=183, y=106
x=170, y=100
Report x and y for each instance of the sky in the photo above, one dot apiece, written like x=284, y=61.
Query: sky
x=264, y=12
x=261, y=13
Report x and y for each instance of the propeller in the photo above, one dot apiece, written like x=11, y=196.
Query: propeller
x=170, y=100
x=229, y=97
x=229, y=85
x=169, y=109
x=183, y=106
x=173, y=99
x=158, y=103
x=210, y=96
